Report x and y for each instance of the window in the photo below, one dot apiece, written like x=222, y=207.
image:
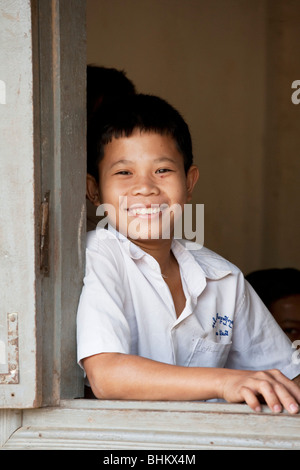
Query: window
x=42, y=207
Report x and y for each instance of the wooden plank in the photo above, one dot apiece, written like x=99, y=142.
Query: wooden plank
x=90, y=424
x=62, y=70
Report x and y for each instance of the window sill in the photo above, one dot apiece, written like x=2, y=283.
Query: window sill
x=95, y=424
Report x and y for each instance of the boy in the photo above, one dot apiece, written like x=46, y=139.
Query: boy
x=158, y=321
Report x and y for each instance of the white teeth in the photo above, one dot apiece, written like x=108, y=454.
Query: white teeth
x=145, y=210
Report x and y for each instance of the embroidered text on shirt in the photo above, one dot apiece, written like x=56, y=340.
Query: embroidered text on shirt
x=222, y=321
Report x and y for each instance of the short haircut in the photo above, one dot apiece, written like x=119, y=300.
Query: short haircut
x=275, y=283
x=120, y=117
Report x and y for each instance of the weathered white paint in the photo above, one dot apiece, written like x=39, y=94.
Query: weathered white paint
x=18, y=204
x=10, y=420
x=2, y=92
x=42, y=151
x=90, y=424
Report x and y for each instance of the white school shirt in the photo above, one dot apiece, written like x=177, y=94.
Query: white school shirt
x=126, y=307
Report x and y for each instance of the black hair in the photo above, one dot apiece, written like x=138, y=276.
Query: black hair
x=274, y=284
x=103, y=82
x=120, y=117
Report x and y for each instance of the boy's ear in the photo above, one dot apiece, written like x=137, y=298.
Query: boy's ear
x=191, y=179
x=92, y=190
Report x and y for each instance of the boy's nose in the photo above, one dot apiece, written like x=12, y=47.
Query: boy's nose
x=144, y=187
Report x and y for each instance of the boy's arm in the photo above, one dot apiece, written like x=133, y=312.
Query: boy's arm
x=121, y=376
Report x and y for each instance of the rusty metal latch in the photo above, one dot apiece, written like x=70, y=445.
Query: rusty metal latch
x=44, y=237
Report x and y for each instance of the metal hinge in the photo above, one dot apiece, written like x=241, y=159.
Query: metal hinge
x=44, y=237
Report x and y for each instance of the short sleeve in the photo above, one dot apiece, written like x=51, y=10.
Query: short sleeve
x=101, y=323
x=258, y=342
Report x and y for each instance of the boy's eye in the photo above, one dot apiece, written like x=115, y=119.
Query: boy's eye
x=163, y=170
x=123, y=172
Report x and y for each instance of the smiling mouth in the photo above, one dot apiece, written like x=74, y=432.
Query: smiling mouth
x=145, y=211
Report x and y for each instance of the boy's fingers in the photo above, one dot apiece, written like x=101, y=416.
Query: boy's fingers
x=277, y=390
x=277, y=396
x=287, y=399
x=291, y=391
x=271, y=397
x=250, y=398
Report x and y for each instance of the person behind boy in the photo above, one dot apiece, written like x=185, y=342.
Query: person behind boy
x=156, y=320
x=279, y=289
x=102, y=83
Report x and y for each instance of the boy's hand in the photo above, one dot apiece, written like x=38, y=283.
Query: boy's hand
x=276, y=389
x=296, y=380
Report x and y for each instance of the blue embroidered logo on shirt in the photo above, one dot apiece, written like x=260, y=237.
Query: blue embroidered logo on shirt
x=220, y=321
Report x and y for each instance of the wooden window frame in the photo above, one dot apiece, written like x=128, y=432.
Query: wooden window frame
x=43, y=68
x=185, y=426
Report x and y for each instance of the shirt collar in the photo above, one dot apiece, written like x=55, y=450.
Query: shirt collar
x=134, y=251
x=193, y=263
x=183, y=253
x=195, y=273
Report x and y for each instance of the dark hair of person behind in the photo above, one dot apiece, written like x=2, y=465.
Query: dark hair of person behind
x=121, y=116
x=274, y=284
x=103, y=82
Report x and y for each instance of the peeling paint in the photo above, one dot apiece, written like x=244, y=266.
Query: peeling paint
x=11, y=17
x=12, y=376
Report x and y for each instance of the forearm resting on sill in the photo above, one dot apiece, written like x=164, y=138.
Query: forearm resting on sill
x=115, y=376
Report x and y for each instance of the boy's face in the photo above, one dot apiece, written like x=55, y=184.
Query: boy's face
x=141, y=177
